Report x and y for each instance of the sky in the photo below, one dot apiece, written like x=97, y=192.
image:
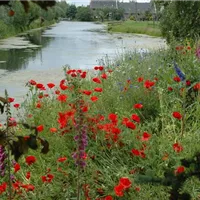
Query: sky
x=87, y=2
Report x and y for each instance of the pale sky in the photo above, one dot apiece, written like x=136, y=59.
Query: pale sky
x=86, y=2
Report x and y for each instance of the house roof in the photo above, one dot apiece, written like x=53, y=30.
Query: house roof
x=129, y=7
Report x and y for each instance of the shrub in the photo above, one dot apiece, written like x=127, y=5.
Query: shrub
x=173, y=21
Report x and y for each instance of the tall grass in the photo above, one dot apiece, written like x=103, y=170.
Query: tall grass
x=138, y=27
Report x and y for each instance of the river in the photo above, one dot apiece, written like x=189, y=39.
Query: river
x=41, y=54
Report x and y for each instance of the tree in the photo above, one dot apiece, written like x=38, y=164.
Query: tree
x=102, y=13
x=71, y=12
x=181, y=20
x=84, y=14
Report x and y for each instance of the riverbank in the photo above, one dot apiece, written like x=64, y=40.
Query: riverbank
x=9, y=31
x=137, y=27
x=79, y=44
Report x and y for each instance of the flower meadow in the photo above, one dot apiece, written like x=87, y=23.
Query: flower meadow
x=125, y=130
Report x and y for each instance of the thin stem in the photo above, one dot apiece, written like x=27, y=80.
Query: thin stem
x=78, y=184
x=8, y=149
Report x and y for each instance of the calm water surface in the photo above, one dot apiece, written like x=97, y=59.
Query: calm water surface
x=40, y=55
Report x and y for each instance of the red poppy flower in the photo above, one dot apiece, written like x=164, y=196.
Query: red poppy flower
x=83, y=75
x=148, y=84
x=177, y=147
x=177, y=79
x=197, y=86
x=57, y=92
x=140, y=79
x=40, y=128
x=39, y=85
x=177, y=115
x=125, y=182
x=135, y=152
x=62, y=98
x=138, y=106
x=119, y=190
x=38, y=105
x=125, y=120
x=32, y=82
x=96, y=68
x=179, y=170
x=44, y=179
x=94, y=98
x=130, y=125
x=30, y=160
x=84, y=108
x=50, y=85
x=108, y=197
x=188, y=83
x=135, y=118
x=50, y=177
x=28, y=187
x=17, y=105
x=53, y=130
x=17, y=167
x=104, y=76
x=10, y=100
x=101, y=68
x=87, y=92
x=98, y=89
x=28, y=175
x=62, y=159
x=63, y=87
x=170, y=89
x=146, y=136
x=3, y=187
x=112, y=117
x=96, y=80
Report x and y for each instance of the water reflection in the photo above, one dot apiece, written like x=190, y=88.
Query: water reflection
x=78, y=44
x=17, y=59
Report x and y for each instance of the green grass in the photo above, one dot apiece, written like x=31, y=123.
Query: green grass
x=138, y=27
x=7, y=31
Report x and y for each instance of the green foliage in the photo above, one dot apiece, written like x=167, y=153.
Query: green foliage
x=26, y=4
x=84, y=14
x=130, y=26
x=181, y=20
x=71, y=12
x=132, y=18
x=34, y=18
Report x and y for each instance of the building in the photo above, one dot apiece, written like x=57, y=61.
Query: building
x=130, y=8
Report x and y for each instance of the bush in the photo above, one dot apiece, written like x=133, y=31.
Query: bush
x=132, y=18
x=6, y=30
x=84, y=14
x=181, y=20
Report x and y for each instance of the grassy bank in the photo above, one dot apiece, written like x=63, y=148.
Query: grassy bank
x=7, y=31
x=139, y=27
x=129, y=132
